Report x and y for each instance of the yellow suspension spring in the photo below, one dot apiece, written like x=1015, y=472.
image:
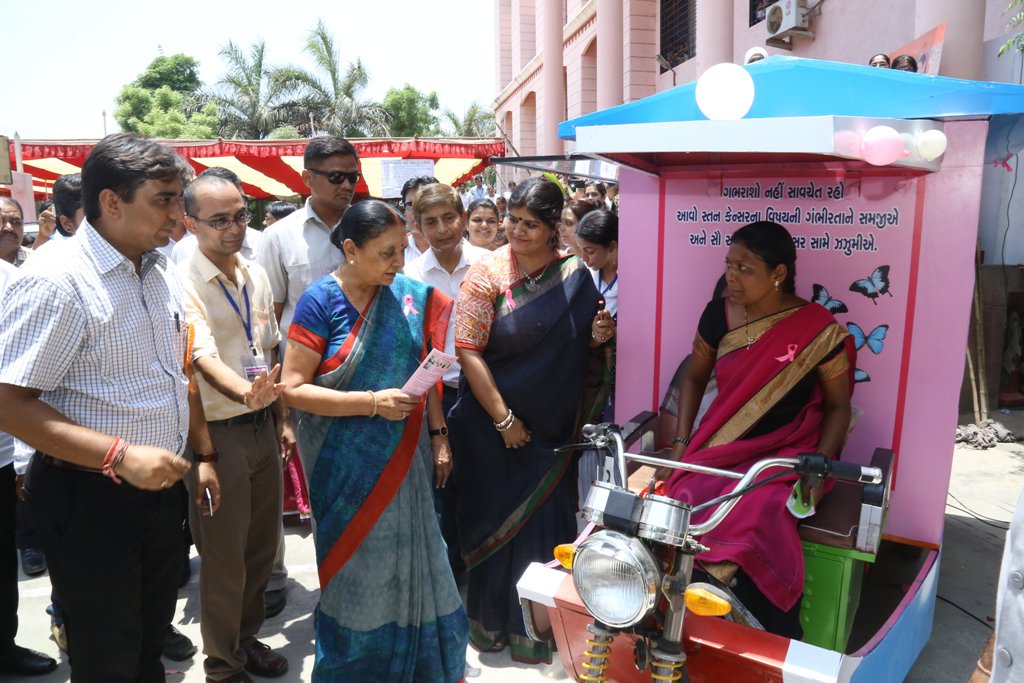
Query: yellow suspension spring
x=666, y=670
x=597, y=655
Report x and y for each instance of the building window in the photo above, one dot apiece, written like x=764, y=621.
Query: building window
x=757, y=9
x=678, y=31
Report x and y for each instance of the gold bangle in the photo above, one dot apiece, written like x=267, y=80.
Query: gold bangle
x=373, y=397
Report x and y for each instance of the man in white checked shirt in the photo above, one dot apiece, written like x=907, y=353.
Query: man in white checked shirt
x=92, y=375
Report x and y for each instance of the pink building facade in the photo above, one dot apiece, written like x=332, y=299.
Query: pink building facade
x=559, y=59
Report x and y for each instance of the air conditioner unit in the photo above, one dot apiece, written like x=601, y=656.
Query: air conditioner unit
x=785, y=19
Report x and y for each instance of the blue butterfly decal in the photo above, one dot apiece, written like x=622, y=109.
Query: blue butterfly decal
x=873, y=341
x=874, y=286
x=860, y=376
x=822, y=297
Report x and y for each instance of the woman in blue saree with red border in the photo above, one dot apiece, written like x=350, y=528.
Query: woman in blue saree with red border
x=389, y=608
x=525, y=319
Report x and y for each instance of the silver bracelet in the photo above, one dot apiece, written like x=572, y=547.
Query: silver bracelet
x=506, y=423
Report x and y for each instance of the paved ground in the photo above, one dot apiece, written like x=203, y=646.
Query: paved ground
x=986, y=483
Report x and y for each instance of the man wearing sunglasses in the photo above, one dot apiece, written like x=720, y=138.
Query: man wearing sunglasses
x=296, y=250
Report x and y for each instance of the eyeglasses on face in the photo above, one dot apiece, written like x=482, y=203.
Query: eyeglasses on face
x=241, y=219
x=337, y=177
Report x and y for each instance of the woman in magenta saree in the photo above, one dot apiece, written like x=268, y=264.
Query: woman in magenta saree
x=784, y=370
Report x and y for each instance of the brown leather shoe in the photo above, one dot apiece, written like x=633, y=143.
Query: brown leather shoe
x=263, y=661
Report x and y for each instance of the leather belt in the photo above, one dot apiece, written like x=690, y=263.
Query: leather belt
x=65, y=465
x=256, y=418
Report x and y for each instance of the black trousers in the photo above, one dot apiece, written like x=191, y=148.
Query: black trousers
x=114, y=553
x=8, y=562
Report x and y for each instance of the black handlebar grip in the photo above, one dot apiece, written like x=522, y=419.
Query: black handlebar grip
x=848, y=471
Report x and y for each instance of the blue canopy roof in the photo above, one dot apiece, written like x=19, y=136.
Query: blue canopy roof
x=791, y=86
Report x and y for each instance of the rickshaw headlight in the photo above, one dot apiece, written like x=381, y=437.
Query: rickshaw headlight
x=616, y=577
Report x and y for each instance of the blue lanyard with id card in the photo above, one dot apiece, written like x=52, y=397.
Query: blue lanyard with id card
x=253, y=365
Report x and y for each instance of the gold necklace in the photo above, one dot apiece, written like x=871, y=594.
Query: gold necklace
x=348, y=296
x=746, y=329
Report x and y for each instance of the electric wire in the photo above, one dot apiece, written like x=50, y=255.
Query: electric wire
x=971, y=615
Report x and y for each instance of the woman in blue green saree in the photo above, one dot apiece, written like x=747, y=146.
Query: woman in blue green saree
x=389, y=608
x=526, y=316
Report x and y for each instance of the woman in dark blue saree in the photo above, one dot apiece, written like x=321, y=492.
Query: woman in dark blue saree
x=526, y=318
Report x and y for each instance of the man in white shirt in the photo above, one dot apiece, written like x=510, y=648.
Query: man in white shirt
x=93, y=375
x=479, y=191
x=297, y=250
x=439, y=212
x=416, y=243
x=13, y=658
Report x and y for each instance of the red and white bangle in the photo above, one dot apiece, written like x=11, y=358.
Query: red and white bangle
x=505, y=424
x=113, y=459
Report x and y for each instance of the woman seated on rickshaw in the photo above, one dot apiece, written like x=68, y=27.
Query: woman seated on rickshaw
x=784, y=370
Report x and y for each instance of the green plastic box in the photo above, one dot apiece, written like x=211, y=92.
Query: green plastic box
x=832, y=583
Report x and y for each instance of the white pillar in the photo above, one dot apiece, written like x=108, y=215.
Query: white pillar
x=552, y=90
x=609, y=53
x=714, y=33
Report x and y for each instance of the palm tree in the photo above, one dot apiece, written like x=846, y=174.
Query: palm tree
x=329, y=96
x=250, y=97
x=477, y=122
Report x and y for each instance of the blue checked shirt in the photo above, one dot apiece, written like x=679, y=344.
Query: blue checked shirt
x=104, y=346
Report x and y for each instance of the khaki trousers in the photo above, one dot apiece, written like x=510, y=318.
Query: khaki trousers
x=237, y=544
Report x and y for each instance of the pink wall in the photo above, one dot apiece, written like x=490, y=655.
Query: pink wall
x=670, y=262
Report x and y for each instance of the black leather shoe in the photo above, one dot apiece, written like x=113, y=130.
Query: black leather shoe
x=273, y=603
x=33, y=563
x=21, y=661
x=263, y=661
x=177, y=645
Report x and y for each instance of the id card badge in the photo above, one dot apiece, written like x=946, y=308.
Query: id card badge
x=253, y=366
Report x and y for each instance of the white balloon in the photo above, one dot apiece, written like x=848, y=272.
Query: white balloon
x=931, y=144
x=725, y=92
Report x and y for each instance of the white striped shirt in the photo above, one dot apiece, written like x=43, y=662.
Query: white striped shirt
x=104, y=346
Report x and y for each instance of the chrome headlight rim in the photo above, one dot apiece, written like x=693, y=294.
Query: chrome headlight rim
x=640, y=561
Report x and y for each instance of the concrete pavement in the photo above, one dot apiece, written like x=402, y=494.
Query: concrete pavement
x=985, y=483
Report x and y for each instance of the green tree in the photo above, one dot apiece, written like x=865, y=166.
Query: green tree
x=412, y=112
x=178, y=72
x=329, y=97
x=476, y=122
x=250, y=98
x=162, y=113
x=163, y=102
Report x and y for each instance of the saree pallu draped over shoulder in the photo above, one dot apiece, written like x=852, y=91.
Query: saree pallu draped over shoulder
x=389, y=607
x=760, y=534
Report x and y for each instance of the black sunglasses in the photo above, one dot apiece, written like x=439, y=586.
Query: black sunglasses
x=337, y=177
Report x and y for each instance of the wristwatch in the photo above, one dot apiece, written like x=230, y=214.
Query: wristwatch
x=207, y=457
x=443, y=431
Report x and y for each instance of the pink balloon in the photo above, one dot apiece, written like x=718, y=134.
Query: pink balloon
x=882, y=146
x=847, y=143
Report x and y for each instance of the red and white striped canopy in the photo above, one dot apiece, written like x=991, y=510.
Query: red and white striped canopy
x=272, y=168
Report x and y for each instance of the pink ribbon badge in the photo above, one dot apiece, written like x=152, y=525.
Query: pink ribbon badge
x=790, y=354
x=407, y=306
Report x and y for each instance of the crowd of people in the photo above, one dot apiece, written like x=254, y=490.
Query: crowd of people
x=163, y=362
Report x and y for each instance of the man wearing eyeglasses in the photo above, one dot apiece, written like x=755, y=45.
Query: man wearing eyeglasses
x=297, y=250
x=229, y=302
